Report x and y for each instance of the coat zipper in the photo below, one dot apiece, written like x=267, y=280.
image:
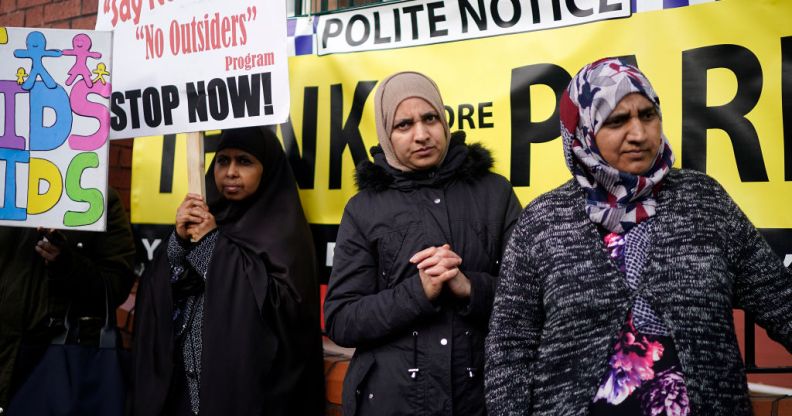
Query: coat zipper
x=414, y=371
x=471, y=370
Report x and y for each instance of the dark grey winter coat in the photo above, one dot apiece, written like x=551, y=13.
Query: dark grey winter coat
x=376, y=303
x=561, y=301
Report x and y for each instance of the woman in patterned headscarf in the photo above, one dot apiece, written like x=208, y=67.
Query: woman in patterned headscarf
x=617, y=288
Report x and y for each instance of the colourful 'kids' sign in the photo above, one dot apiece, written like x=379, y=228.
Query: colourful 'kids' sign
x=54, y=124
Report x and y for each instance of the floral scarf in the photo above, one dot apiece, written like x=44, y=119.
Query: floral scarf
x=614, y=199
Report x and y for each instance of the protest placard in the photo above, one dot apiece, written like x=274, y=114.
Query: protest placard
x=188, y=65
x=54, y=89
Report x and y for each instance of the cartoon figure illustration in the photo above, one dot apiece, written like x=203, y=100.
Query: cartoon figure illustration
x=21, y=75
x=3, y=35
x=100, y=71
x=82, y=51
x=37, y=50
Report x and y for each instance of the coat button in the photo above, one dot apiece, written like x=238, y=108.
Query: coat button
x=437, y=201
x=371, y=396
x=443, y=341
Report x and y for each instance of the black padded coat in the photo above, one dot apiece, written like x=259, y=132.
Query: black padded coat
x=413, y=356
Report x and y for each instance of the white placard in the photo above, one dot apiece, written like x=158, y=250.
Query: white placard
x=54, y=124
x=196, y=65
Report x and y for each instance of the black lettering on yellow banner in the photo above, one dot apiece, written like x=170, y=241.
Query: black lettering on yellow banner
x=729, y=117
x=504, y=93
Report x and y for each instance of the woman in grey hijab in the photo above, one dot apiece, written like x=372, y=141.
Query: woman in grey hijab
x=416, y=261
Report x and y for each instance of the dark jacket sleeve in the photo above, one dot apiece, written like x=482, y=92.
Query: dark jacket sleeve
x=515, y=327
x=153, y=346
x=103, y=258
x=357, y=310
x=482, y=284
x=763, y=286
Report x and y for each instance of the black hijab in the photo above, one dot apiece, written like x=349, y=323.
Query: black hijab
x=262, y=351
x=271, y=221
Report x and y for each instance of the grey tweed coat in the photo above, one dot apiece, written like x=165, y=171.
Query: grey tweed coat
x=561, y=301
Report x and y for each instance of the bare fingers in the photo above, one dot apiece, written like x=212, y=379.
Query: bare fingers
x=423, y=255
x=440, y=254
x=442, y=265
x=445, y=276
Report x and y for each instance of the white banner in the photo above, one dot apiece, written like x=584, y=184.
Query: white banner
x=194, y=65
x=54, y=124
x=425, y=22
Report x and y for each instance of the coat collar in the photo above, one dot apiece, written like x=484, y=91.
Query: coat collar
x=465, y=162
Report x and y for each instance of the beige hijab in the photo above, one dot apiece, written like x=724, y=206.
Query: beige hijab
x=390, y=93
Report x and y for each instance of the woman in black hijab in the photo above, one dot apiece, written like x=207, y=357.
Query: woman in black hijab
x=229, y=324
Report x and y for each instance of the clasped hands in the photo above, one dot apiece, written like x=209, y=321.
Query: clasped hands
x=193, y=219
x=439, y=266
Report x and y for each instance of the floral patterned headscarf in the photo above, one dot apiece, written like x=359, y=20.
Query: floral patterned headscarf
x=616, y=200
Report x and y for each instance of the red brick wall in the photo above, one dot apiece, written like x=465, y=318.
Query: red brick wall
x=71, y=14
x=68, y=14
x=768, y=354
x=120, y=159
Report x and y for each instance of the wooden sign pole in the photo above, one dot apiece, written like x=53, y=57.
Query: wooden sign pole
x=195, y=164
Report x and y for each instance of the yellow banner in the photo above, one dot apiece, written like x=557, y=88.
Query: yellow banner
x=717, y=67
